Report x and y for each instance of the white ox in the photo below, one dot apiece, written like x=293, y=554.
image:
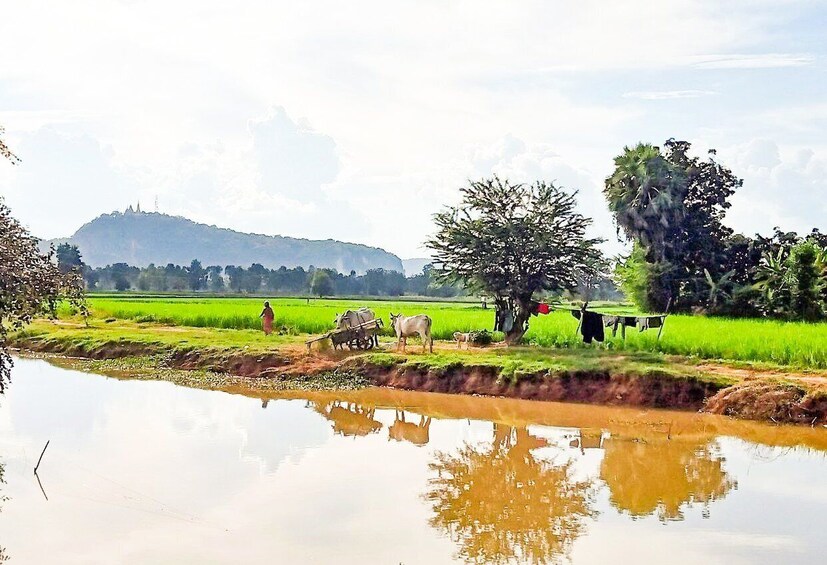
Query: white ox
x=409, y=326
x=351, y=318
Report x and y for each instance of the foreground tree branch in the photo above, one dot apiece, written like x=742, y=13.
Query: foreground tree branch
x=31, y=284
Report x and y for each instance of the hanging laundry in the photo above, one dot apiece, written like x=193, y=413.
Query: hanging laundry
x=622, y=322
x=648, y=322
x=508, y=321
x=591, y=325
x=612, y=322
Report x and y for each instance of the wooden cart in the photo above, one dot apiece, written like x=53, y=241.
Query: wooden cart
x=357, y=336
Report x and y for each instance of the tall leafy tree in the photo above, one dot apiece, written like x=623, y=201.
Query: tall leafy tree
x=196, y=275
x=512, y=241
x=31, y=284
x=214, y=279
x=321, y=283
x=672, y=206
x=68, y=258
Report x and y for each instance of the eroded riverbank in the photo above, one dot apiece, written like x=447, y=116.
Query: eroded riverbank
x=209, y=358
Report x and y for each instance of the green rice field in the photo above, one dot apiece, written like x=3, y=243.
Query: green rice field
x=784, y=343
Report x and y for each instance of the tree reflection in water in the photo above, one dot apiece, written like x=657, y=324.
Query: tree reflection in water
x=3, y=498
x=500, y=503
x=663, y=477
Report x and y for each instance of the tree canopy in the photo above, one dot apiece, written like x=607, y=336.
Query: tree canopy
x=68, y=258
x=30, y=284
x=321, y=284
x=671, y=206
x=511, y=241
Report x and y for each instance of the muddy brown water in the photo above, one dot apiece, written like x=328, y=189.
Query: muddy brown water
x=149, y=472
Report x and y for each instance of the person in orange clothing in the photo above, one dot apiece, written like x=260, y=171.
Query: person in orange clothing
x=267, y=316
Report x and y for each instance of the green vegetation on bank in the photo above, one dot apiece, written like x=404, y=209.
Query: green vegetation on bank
x=514, y=364
x=797, y=344
x=140, y=348
x=152, y=368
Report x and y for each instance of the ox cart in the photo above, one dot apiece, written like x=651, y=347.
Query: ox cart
x=363, y=335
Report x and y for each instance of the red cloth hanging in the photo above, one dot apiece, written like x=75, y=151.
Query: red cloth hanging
x=543, y=308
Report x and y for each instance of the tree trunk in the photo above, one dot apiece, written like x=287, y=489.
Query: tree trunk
x=520, y=327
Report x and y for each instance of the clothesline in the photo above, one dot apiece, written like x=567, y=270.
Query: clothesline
x=591, y=323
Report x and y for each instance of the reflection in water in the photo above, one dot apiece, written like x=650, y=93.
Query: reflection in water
x=3, y=498
x=587, y=439
x=500, y=503
x=417, y=434
x=142, y=472
x=350, y=418
x=663, y=476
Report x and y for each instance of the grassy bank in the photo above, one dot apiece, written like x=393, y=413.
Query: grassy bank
x=105, y=340
x=597, y=376
x=794, y=344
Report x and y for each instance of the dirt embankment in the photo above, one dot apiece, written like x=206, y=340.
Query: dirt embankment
x=769, y=400
x=753, y=398
x=593, y=387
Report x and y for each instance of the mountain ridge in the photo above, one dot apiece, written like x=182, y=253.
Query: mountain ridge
x=140, y=238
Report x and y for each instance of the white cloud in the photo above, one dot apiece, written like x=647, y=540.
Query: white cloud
x=394, y=96
x=66, y=178
x=754, y=61
x=783, y=187
x=667, y=94
x=292, y=158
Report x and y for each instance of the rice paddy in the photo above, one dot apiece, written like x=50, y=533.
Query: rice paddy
x=796, y=344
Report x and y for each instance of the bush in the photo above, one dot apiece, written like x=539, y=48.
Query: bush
x=481, y=338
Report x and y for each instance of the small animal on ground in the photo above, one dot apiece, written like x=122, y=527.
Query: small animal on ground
x=461, y=338
x=409, y=326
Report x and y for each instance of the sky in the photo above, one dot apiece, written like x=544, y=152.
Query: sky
x=358, y=120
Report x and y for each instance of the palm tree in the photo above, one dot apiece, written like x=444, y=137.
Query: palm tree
x=644, y=193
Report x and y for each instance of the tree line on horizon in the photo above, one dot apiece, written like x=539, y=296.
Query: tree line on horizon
x=256, y=278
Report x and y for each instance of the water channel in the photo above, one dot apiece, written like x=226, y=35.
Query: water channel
x=150, y=472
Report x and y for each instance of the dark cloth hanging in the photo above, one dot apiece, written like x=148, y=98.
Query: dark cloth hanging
x=591, y=326
x=508, y=321
x=503, y=321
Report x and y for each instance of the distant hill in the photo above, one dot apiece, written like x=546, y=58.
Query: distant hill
x=415, y=265
x=140, y=238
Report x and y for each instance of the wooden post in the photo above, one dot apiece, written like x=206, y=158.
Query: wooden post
x=665, y=314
